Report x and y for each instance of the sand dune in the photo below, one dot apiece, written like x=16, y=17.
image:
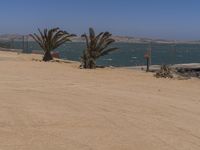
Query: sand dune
x=55, y=106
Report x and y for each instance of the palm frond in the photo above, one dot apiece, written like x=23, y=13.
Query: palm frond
x=107, y=51
x=104, y=37
x=51, y=39
x=38, y=40
x=92, y=33
x=86, y=38
x=97, y=46
x=106, y=44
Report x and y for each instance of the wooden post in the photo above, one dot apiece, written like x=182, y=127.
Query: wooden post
x=148, y=63
x=12, y=43
x=146, y=56
x=23, y=46
x=150, y=54
x=27, y=45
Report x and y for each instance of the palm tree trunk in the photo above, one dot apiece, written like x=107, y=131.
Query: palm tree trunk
x=91, y=64
x=47, y=56
x=88, y=63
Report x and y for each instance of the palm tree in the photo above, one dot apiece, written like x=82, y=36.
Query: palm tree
x=51, y=39
x=97, y=46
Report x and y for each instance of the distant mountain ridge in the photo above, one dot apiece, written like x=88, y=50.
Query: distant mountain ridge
x=123, y=39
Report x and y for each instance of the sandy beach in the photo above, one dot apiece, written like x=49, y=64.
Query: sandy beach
x=56, y=106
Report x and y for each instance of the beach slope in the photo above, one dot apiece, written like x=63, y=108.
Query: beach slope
x=56, y=106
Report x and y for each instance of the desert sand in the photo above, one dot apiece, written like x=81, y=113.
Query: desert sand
x=56, y=106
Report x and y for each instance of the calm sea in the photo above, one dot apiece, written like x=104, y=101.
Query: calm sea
x=130, y=54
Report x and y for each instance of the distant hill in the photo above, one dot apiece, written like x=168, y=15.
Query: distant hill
x=124, y=39
x=10, y=36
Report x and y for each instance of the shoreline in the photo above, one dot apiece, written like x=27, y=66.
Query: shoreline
x=152, y=67
x=118, y=39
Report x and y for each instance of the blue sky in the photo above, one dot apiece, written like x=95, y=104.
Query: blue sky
x=169, y=19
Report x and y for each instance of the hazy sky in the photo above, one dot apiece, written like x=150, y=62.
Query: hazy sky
x=170, y=19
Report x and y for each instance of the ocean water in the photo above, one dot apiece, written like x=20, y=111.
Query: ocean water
x=130, y=54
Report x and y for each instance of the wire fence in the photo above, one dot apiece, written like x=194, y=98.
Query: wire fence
x=19, y=43
x=129, y=54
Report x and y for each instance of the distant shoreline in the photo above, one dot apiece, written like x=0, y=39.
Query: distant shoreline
x=118, y=39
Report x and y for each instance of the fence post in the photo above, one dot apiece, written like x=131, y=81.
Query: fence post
x=23, y=45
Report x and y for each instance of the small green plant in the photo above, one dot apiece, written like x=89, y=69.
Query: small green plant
x=51, y=39
x=96, y=47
